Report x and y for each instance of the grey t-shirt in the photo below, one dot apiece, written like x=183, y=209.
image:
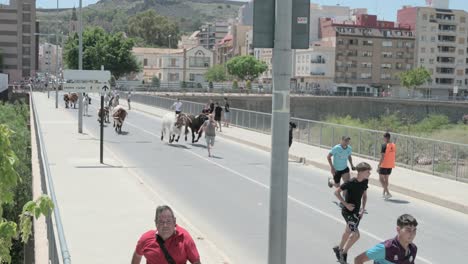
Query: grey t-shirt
x=210, y=128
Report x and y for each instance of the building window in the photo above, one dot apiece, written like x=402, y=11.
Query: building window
x=424, y=17
x=26, y=40
x=26, y=17
x=431, y=61
x=386, y=66
x=386, y=43
x=367, y=43
x=199, y=62
x=398, y=66
x=27, y=50
x=191, y=77
x=421, y=60
x=387, y=54
x=26, y=7
x=462, y=19
x=367, y=53
x=366, y=75
x=145, y=62
x=423, y=38
x=399, y=54
x=432, y=50
x=461, y=52
x=409, y=66
x=385, y=76
x=423, y=50
x=433, y=39
x=27, y=29
x=460, y=72
x=26, y=62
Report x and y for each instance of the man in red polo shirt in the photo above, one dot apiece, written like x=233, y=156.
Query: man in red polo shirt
x=169, y=243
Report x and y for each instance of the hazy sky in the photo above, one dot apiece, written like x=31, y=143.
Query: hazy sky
x=385, y=9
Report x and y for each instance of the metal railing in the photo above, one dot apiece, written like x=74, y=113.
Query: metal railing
x=441, y=158
x=54, y=226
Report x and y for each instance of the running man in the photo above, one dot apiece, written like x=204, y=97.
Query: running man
x=352, y=212
x=386, y=164
x=397, y=250
x=177, y=106
x=209, y=127
x=341, y=153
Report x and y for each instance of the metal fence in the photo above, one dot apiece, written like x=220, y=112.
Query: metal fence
x=446, y=159
x=54, y=223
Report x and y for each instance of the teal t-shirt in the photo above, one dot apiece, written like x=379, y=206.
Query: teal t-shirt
x=340, y=156
x=377, y=254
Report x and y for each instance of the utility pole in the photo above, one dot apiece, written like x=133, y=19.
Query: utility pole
x=57, y=80
x=80, y=67
x=282, y=65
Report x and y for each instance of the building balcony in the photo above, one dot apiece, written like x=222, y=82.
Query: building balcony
x=317, y=73
x=317, y=61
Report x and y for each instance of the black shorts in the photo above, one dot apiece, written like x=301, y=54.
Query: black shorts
x=385, y=171
x=217, y=118
x=177, y=112
x=352, y=220
x=338, y=174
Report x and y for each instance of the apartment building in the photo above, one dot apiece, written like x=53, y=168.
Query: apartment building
x=174, y=65
x=245, y=15
x=441, y=47
x=224, y=50
x=315, y=69
x=212, y=33
x=48, y=58
x=265, y=55
x=18, y=44
x=369, y=54
x=339, y=14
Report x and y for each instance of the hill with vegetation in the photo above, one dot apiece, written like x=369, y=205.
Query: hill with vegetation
x=113, y=15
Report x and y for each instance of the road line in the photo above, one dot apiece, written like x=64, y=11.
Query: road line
x=297, y=201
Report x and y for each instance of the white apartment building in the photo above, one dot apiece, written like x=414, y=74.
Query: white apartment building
x=48, y=58
x=441, y=47
x=315, y=69
x=174, y=65
x=265, y=55
x=339, y=14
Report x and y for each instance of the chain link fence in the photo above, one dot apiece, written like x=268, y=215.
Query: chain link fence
x=441, y=158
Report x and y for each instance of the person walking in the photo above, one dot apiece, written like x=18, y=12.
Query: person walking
x=341, y=154
x=397, y=250
x=129, y=96
x=218, y=112
x=209, y=127
x=292, y=126
x=177, y=106
x=227, y=112
x=212, y=106
x=386, y=164
x=354, y=205
x=169, y=243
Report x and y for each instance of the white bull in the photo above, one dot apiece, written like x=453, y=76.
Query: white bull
x=173, y=125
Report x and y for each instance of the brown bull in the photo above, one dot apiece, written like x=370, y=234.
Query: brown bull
x=119, y=116
x=103, y=114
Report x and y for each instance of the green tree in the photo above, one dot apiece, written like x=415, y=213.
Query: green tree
x=414, y=78
x=154, y=29
x=156, y=82
x=9, y=179
x=216, y=74
x=246, y=67
x=114, y=51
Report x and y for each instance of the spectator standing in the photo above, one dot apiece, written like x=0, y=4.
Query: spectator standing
x=227, y=112
x=212, y=106
x=169, y=243
x=218, y=112
x=386, y=164
x=129, y=96
x=292, y=126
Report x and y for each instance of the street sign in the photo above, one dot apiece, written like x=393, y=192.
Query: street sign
x=85, y=81
x=302, y=20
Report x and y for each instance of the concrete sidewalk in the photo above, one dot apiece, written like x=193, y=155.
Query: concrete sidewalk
x=441, y=191
x=104, y=207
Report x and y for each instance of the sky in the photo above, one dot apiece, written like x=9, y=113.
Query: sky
x=384, y=9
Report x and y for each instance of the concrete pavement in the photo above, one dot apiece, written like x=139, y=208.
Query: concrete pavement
x=444, y=192
x=83, y=187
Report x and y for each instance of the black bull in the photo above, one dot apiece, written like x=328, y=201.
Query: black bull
x=195, y=124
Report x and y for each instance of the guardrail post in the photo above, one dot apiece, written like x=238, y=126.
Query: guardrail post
x=320, y=135
x=433, y=157
x=456, y=163
x=256, y=121
x=375, y=145
x=308, y=133
x=263, y=122
x=360, y=138
x=333, y=136
x=237, y=118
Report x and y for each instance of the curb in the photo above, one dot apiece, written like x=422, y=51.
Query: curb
x=375, y=182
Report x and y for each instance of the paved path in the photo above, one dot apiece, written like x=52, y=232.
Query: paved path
x=225, y=198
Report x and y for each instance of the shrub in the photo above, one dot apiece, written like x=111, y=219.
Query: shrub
x=235, y=85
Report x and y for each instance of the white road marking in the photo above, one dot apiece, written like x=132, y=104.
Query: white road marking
x=369, y=234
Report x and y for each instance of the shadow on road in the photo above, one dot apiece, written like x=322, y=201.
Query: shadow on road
x=216, y=157
x=397, y=201
x=177, y=146
x=198, y=145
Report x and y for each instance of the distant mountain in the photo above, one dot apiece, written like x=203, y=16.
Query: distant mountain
x=113, y=15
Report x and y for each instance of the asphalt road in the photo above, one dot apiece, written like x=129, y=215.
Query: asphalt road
x=227, y=198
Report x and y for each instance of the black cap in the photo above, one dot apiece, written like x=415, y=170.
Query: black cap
x=345, y=137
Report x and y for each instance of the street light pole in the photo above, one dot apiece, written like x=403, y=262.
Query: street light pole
x=80, y=67
x=56, y=59
x=282, y=68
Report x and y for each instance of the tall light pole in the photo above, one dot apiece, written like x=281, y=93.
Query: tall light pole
x=80, y=67
x=169, y=66
x=56, y=59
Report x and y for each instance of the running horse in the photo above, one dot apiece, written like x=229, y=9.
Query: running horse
x=70, y=99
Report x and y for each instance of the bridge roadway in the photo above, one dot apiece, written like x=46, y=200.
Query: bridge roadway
x=227, y=198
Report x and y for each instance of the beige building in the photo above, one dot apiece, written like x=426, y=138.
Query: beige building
x=441, y=47
x=369, y=54
x=212, y=33
x=48, y=58
x=174, y=65
x=315, y=69
x=239, y=38
x=224, y=50
x=18, y=44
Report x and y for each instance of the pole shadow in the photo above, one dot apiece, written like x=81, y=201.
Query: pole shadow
x=397, y=201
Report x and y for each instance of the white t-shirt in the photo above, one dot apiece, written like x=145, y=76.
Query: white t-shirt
x=177, y=106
